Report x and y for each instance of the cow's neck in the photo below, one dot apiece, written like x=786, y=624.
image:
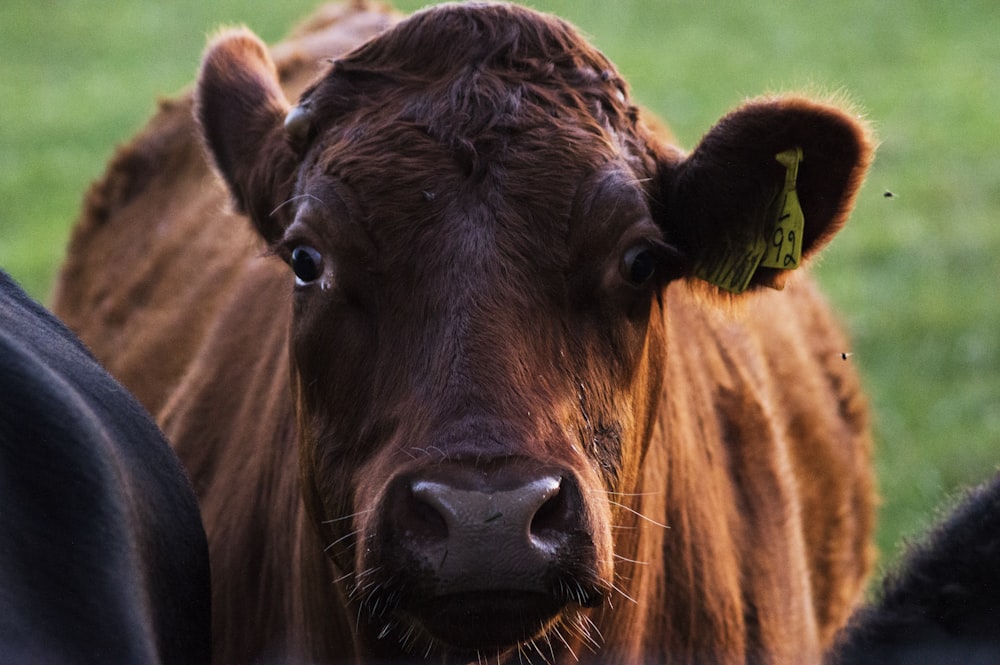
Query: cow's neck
x=713, y=478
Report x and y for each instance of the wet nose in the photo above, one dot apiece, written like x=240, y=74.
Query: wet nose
x=485, y=531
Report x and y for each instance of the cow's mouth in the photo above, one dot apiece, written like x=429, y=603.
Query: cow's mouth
x=486, y=621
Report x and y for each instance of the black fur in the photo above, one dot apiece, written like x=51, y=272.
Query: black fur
x=942, y=605
x=103, y=558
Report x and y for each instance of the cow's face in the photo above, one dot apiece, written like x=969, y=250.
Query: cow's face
x=480, y=233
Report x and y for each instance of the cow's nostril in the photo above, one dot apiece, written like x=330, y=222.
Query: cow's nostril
x=425, y=520
x=554, y=519
x=551, y=514
x=415, y=514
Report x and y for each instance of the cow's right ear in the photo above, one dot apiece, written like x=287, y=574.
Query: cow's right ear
x=767, y=187
x=241, y=112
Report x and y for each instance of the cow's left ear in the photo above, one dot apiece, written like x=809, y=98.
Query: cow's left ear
x=766, y=188
x=241, y=113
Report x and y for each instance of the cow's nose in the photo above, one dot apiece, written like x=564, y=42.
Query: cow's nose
x=479, y=531
x=531, y=514
x=484, y=555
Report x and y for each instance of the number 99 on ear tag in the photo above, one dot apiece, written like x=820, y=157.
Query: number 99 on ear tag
x=784, y=249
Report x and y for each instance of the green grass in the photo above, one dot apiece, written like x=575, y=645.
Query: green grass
x=913, y=275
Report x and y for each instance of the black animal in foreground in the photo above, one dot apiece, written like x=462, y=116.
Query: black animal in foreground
x=942, y=604
x=103, y=557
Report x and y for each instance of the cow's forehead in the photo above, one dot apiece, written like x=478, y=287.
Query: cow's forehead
x=472, y=114
x=473, y=134
x=479, y=79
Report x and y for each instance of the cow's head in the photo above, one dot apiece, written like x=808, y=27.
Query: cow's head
x=480, y=231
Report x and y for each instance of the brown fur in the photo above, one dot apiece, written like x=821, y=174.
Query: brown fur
x=472, y=180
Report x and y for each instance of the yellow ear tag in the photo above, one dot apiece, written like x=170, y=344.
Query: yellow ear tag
x=784, y=244
x=733, y=269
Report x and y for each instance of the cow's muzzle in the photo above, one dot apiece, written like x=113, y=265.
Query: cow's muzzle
x=484, y=557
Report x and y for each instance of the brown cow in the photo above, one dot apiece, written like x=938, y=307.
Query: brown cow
x=457, y=391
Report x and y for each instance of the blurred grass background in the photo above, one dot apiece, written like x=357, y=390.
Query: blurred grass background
x=914, y=274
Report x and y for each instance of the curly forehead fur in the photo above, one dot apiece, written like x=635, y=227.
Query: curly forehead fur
x=478, y=78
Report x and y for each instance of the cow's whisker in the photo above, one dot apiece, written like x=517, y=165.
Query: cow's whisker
x=625, y=558
x=558, y=633
x=341, y=539
x=585, y=628
x=343, y=577
x=358, y=577
x=638, y=514
x=348, y=517
x=622, y=593
x=429, y=449
x=624, y=494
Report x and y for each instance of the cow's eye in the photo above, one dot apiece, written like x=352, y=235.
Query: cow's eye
x=306, y=263
x=639, y=264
